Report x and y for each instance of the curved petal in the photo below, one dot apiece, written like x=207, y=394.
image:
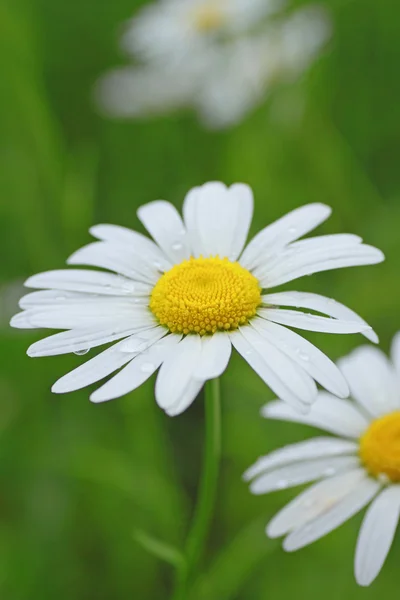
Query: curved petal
x=314, y=501
x=327, y=306
x=280, y=373
x=85, y=280
x=333, y=517
x=104, y=364
x=301, y=472
x=78, y=340
x=165, y=225
x=215, y=354
x=187, y=397
x=372, y=380
x=135, y=241
x=309, y=322
x=218, y=218
x=318, y=447
x=376, y=535
x=312, y=360
x=395, y=353
x=177, y=370
x=138, y=370
x=328, y=412
x=292, y=226
x=115, y=258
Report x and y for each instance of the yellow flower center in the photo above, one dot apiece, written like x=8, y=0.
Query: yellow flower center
x=208, y=17
x=380, y=447
x=205, y=295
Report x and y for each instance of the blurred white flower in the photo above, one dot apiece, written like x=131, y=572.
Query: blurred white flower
x=218, y=56
x=181, y=302
x=360, y=466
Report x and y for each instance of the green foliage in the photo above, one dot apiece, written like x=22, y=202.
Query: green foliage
x=77, y=479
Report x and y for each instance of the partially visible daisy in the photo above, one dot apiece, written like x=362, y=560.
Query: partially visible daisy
x=218, y=56
x=181, y=301
x=360, y=466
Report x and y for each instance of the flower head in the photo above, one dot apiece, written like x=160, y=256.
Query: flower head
x=357, y=467
x=218, y=56
x=181, y=301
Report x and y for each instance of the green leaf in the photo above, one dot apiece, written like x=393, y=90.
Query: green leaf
x=233, y=566
x=159, y=548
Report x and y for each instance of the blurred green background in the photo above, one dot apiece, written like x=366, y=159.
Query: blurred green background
x=77, y=480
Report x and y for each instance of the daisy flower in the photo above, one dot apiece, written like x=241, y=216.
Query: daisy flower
x=181, y=301
x=360, y=466
x=218, y=56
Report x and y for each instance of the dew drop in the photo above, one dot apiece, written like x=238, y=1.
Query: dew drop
x=81, y=352
x=177, y=246
x=248, y=352
x=147, y=367
x=133, y=345
x=292, y=230
x=60, y=298
x=304, y=356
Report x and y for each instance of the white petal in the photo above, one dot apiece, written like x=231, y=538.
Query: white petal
x=177, y=371
x=283, y=231
x=333, y=517
x=312, y=360
x=105, y=363
x=302, y=472
x=165, y=225
x=377, y=534
x=218, y=218
x=321, y=304
x=116, y=258
x=215, y=354
x=278, y=371
x=76, y=315
x=395, y=353
x=135, y=241
x=314, y=501
x=328, y=412
x=372, y=380
x=138, y=370
x=78, y=340
x=55, y=298
x=84, y=280
x=309, y=322
x=318, y=447
x=186, y=399
x=294, y=263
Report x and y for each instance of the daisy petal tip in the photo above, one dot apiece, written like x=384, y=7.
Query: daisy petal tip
x=372, y=336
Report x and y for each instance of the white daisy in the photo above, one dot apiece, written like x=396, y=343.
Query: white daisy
x=359, y=467
x=219, y=56
x=181, y=301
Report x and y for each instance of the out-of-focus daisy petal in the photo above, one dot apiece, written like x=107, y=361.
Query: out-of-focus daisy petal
x=165, y=225
x=328, y=412
x=377, y=534
x=327, y=306
x=318, y=447
x=138, y=370
x=314, y=501
x=218, y=218
x=372, y=380
x=215, y=354
x=312, y=360
x=292, y=226
x=395, y=353
x=333, y=517
x=309, y=322
x=301, y=472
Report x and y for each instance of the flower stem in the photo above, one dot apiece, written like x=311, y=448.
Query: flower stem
x=207, y=490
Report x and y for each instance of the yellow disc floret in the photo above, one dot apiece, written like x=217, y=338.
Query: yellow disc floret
x=205, y=295
x=208, y=17
x=380, y=447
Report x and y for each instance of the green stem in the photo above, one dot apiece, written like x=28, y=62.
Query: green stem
x=207, y=490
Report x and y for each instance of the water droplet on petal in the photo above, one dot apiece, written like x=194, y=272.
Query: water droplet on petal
x=147, y=367
x=248, y=352
x=282, y=484
x=292, y=230
x=304, y=356
x=133, y=345
x=59, y=298
x=177, y=246
x=81, y=352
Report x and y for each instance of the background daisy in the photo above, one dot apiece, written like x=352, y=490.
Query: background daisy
x=219, y=57
x=182, y=301
x=359, y=467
